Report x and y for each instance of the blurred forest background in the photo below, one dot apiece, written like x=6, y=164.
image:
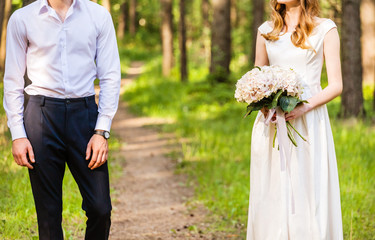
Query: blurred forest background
x=194, y=51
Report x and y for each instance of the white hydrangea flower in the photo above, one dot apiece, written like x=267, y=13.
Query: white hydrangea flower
x=257, y=84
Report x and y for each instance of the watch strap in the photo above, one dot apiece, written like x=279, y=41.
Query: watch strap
x=102, y=133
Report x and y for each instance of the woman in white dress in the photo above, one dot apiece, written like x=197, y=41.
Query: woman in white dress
x=300, y=200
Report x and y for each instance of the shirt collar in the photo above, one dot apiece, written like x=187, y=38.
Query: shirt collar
x=44, y=7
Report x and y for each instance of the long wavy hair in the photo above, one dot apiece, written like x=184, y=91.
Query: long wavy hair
x=306, y=24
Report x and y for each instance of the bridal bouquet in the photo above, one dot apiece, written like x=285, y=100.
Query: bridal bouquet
x=271, y=87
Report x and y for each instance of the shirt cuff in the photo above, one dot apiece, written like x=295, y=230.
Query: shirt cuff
x=103, y=123
x=18, y=132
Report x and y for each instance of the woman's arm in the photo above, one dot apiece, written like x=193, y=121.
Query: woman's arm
x=331, y=50
x=261, y=58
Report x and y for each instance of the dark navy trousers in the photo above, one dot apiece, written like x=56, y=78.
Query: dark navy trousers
x=59, y=131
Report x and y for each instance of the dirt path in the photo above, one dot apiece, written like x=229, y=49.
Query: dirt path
x=149, y=201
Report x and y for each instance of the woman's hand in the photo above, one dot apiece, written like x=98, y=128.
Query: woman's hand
x=265, y=112
x=298, y=111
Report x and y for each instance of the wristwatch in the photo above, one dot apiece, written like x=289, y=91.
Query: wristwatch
x=103, y=133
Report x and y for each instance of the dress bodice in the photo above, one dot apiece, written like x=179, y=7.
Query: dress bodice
x=306, y=62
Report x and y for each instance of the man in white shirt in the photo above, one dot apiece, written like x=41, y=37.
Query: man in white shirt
x=64, y=45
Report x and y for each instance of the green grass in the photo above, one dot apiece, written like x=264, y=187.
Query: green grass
x=17, y=211
x=217, y=153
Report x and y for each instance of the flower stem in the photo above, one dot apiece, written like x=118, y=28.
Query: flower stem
x=274, y=137
x=288, y=123
x=290, y=135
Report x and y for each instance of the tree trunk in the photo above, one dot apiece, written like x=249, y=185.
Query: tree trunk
x=167, y=36
x=205, y=13
x=352, y=97
x=220, y=40
x=107, y=4
x=132, y=17
x=5, y=17
x=183, y=54
x=234, y=13
x=258, y=16
x=121, y=22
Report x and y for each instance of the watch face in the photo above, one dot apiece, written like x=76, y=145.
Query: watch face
x=106, y=135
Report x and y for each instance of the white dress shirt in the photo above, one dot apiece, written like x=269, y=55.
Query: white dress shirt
x=62, y=59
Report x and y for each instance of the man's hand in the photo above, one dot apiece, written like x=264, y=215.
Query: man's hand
x=98, y=147
x=23, y=152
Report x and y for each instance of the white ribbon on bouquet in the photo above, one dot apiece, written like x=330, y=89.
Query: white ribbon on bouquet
x=282, y=138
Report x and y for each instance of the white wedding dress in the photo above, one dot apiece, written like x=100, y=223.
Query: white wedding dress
x=313, y=176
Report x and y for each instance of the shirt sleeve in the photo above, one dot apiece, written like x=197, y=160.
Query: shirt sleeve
x=108, y=73
x=15, y=66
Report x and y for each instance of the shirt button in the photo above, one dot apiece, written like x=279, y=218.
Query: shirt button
x=67, y=101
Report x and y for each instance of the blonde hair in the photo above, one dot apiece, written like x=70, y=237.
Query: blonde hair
x=309, y=10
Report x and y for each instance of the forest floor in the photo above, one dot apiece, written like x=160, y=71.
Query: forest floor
x=150, y=200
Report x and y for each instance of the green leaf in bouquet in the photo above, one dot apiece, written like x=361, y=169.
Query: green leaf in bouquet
x=275, y=99
x=258, y=68
x=259, y=105
x=288, y=103
x=256, y=106
x=249, y=109
x=302, y=101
